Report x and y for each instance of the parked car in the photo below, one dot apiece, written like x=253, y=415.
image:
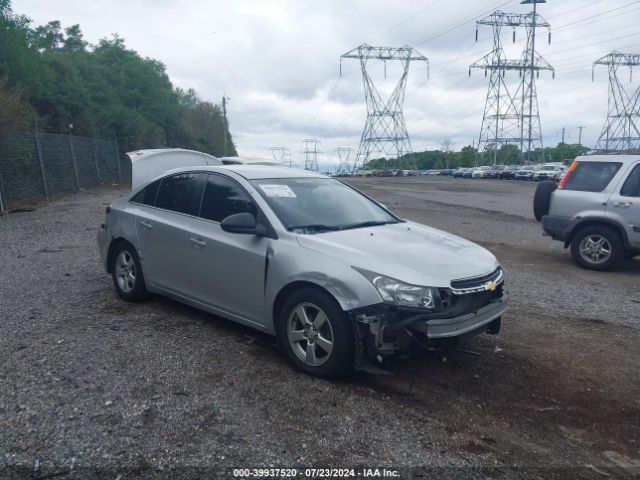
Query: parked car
x=547, y=172
x=303, y=257
x=468, y=173
x=595, y=210
x=525, y=173
x=508, y=172
x=458, y=172
x=563, y=173
x=446, y=171
x=493, y=172
x=481, y=172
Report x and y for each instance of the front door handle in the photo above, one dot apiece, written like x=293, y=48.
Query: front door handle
x=621, y=204
x=197, y=242
x=146, y=225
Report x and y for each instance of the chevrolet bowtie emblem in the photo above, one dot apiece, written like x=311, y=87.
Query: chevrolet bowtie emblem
x=491, y=285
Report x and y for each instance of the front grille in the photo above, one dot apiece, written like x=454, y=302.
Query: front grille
x=480, y=282
x=457, y=305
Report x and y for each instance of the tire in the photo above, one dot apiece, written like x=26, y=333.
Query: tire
x=127, y=276
x=542, y=198
x=333, y=356
x=597, y=248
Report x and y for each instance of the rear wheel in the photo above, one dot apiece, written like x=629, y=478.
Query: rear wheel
x=126, y=273
x=315, y=334
x=597, y=248
x=542, y=198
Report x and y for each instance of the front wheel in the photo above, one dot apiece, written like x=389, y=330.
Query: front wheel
x=597, y=248
x=315, y=334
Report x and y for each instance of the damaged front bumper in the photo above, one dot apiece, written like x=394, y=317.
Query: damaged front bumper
x=471, y=322
x=384, y=330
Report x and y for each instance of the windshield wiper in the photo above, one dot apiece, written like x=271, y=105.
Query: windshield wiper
x=317, y=226
x=370, y=223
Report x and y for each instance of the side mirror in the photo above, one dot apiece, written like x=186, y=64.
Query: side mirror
x=243, y=223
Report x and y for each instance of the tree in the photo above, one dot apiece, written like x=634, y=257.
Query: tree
x=465, y=157
x=48, y=37
x=73, y=41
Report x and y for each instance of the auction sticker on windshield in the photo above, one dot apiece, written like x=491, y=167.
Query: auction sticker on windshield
x=278, y=191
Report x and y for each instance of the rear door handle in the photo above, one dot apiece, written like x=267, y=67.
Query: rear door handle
x=146, y=225
x=197, y=242
x=622, y=204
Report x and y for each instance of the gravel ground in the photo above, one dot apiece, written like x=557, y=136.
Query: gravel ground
x=93, y=386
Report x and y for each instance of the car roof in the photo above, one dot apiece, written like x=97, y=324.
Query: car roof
x=608, y=158
x=253, y=172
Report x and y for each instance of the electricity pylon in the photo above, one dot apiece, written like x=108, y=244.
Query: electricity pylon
x=511, y=117
x=283, y=155
x=343, y=157
x=385, y=132
x=621, y=132
x=311, y=154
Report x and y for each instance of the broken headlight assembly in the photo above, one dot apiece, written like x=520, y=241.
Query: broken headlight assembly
x=403, y=294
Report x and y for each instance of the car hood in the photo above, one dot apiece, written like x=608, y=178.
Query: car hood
x=407, y=251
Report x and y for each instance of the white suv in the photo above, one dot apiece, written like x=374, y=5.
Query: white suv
x=595, y=209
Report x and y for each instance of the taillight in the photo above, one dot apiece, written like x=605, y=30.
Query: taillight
x=565, y=179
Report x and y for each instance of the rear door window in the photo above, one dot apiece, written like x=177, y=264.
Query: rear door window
x=224, y=197
x=179, y=193
x=592, y=176
x=631, y=187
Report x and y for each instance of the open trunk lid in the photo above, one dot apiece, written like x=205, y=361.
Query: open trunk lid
x=148, y=164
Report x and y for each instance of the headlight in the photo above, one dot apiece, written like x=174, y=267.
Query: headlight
x=403, y=294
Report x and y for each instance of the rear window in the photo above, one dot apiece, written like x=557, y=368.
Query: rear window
x=631, y=187
x=178, y=193
x=592, y=176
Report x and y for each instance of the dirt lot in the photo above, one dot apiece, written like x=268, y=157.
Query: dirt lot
x=93, y=386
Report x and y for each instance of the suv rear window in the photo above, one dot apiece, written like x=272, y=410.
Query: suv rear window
x=592, y=176
x=631, y=187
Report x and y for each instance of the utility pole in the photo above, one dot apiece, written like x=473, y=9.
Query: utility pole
x=509, y=118
x=446, y=150
x=563, y=129
x=283, y=155
x=343, y=159
x=311, y=154
x=226, y=126
x=385, y=132
x=621, y=131
x=580, y=134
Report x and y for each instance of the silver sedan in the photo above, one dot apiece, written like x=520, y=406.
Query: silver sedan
x=338, y=278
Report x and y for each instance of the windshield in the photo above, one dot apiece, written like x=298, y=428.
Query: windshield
x=320, y=204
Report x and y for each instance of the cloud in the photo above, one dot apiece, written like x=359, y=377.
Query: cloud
x=278, y=60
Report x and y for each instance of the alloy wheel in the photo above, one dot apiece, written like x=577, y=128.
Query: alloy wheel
x=595, y=249
x=125, y=271
x=310, y=334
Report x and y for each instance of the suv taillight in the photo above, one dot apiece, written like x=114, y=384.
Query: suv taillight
x=565, y=179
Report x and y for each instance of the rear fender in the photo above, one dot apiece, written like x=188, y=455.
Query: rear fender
x=591, y=221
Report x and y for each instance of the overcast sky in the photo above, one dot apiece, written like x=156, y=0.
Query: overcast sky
x=278, y=61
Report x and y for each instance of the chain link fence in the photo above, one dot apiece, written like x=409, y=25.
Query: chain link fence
x=36, y=167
